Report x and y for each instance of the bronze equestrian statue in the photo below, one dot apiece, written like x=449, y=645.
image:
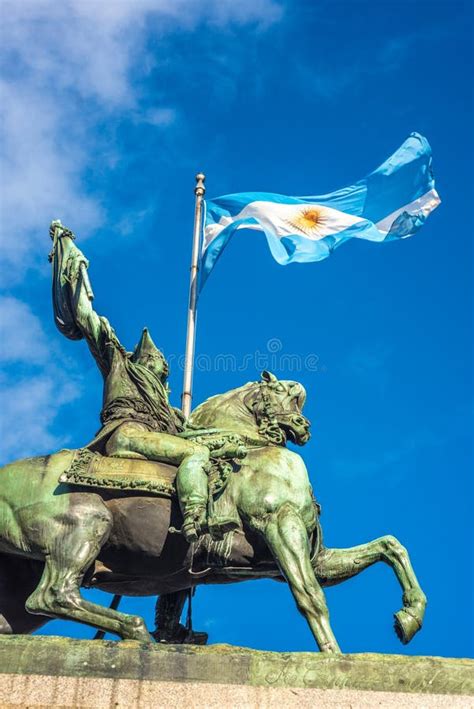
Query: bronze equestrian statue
x=156, y=505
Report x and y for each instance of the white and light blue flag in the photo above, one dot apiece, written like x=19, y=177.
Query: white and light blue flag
x=391, y=203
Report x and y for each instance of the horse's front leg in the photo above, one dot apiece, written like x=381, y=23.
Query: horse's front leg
x=333, y=566
x=287, y=538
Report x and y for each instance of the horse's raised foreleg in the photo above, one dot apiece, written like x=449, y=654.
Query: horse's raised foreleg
x=333, y=566
x=69, y=556
x=287, y=538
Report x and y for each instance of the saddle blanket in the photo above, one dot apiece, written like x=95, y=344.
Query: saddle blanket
x=92, y=469
x=95, y=470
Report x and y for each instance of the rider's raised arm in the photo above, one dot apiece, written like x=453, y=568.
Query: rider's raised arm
x=72, y=298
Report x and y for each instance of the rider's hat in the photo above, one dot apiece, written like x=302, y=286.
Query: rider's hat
x=146, y=350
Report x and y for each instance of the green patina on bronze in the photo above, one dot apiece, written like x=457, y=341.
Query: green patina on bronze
x=59, y=532
x=225, y=664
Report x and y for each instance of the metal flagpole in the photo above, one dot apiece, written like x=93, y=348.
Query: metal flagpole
x=187, y=394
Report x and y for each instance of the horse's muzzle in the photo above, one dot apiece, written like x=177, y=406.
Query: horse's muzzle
x=296, y=427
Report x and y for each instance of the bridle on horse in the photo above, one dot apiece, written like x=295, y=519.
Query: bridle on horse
x=269, y=418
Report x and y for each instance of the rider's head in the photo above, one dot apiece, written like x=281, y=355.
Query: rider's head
x=147, y=354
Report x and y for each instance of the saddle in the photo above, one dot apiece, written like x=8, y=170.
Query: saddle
x=91, y=469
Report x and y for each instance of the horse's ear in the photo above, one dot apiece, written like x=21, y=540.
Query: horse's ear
x=268, y=376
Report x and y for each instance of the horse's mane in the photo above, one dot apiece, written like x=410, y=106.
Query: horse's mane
x=211, y=401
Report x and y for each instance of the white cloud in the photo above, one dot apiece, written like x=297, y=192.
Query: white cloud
x=22, y=339
x=41, y=180
x=159, y=116
x=71, y=67
x=67, y=67
x=29, y=408
x=31, y=401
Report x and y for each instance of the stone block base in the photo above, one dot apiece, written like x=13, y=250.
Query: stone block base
x=61, y=672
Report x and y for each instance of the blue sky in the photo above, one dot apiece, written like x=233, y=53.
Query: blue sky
x=109, y=111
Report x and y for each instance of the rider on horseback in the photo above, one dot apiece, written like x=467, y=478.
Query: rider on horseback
x=137, y=418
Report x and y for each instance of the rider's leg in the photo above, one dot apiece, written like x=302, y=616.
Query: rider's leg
x=192, y=459
x=192, y=489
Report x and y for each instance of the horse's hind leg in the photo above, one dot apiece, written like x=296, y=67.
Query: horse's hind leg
x=287, y=538
x=74, y=548
x=336, y=565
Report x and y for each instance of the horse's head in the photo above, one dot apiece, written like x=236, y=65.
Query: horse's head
x=277, y=407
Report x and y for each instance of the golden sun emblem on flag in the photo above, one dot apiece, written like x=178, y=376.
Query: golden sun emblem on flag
x=309, y=220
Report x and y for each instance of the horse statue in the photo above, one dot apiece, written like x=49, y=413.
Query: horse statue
x=61, y=530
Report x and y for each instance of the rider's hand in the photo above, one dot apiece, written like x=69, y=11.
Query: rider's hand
x=59, y=230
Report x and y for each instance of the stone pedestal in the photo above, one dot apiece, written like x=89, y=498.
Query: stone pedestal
x=61, y=672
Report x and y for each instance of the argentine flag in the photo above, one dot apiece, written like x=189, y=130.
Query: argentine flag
x=390, y=203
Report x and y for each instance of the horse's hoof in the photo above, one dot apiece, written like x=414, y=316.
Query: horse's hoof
x=406, y=625
x=143, y=636
x=137, y=630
